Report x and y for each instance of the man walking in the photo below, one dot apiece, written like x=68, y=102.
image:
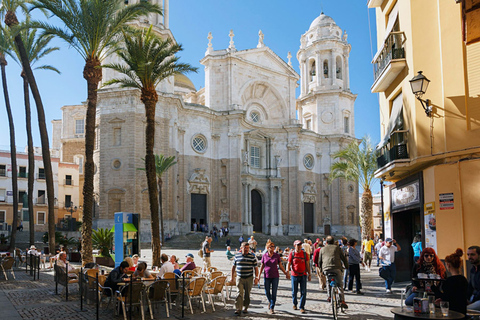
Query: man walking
x=378, y=246
x=253, y=244
x=387, y=257
x=206, y=253
x=322, y=280
x=330, y=261
x=473, y=292
x=367, y=250
x=244, y=265
x=299, y=265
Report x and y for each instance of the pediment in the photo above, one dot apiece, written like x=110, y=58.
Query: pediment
x=116, y=120
x=266, y=58
x=257, y=134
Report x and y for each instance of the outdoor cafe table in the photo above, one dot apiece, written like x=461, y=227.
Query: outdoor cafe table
x=406, y=313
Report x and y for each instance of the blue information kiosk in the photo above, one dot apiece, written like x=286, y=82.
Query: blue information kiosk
x=126, y=235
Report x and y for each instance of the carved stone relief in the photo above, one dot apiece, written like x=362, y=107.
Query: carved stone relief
x=199, y=182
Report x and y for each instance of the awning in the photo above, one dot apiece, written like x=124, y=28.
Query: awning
x=392, y=17
x=127, y=227
x=396, y=111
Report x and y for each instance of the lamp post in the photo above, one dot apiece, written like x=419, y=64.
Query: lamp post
x=419, y=85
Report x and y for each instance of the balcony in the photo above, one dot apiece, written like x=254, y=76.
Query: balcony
x=389, y=61
x=398, y=150
x=374, y=3
x=68, y=182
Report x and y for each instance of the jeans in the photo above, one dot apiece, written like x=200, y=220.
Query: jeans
x=302, y=280
x=271, y=284
x=345, y=278
x=244, y=286
x=354, y=270
x=409, y=299
x=339, y=280
x=474, y=306
x=391, y=273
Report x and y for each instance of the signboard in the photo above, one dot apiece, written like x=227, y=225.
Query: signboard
x=446, y=201
x=406, y=196
x=430, y=226
x=9, y=193
x=388, y=225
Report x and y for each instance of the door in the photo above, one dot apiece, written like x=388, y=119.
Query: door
x=326, y=229
x=308, y=224
x=198, y=209
x=257, y=216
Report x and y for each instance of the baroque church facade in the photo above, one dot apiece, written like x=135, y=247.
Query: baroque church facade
x=250, y=154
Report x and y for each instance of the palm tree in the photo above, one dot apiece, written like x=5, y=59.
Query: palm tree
x=37, y=48
x=4, y=48
x=162, y=164
x=92, y=28
x=147, y=60
x=10, y=7
x=357, y=162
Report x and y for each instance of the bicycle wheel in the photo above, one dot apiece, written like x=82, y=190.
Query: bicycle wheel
x=334, y=297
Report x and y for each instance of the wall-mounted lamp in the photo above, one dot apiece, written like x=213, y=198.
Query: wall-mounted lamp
x=419, y=85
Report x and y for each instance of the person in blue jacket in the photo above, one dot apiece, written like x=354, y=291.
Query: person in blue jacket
x=417, y=247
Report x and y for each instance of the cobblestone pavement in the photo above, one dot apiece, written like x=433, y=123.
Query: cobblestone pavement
x=28, y=299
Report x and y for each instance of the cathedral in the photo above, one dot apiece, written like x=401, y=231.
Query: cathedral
x=250, y=154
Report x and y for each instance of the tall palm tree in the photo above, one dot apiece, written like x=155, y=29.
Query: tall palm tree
x=92, y=28
x=162, y=164
x=146, y=61
x=357, y=162
x=37, y=48
x=4, y=48
x=10, y=7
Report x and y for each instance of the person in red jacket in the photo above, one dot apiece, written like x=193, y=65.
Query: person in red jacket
x=322, y=279
x=299, y=265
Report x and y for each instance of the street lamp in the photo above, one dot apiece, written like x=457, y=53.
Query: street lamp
x=419, y=85
x=72, y=209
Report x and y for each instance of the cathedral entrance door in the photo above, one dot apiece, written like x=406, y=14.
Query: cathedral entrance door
x=257, y=215
x=198, y=210
x=308, y=224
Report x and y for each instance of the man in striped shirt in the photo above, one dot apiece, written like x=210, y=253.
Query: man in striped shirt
x=244, y=265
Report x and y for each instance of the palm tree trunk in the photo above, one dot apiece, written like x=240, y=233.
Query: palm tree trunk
x=162, y=232
x=31, y=159
x=366, y=213
x=13, y=153
x=10, y=21
x=93, y=74
x=149, y=99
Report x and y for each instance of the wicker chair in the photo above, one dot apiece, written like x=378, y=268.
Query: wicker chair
x=198, y=270
x=212, y=269
x=7, y=264
x=134, y=299
x=158, y=292
x=173, y=287
x=20, y=257
x=229, y=285
x=215, y=274
x=189, y=274
x=194, y=289
x=214, y=288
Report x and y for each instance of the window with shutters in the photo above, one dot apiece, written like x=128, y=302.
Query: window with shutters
x=255, y=157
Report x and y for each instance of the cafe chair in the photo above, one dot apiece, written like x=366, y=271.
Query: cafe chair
x=229, y=285
x=156, y=293
x=215, y=274
x=194, y=289
x=20, y=257
x=7, y=264
x=135, y=299
x=170, y=277
x=189, y=274
x=211, y=269
x=214, y=288
x=198, y=270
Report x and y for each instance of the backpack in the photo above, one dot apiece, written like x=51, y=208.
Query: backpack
x=200, y=252
x=295, y=267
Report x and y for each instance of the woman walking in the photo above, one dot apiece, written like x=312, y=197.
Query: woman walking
x=417, y=247
x=270, y=261
x=354, y=260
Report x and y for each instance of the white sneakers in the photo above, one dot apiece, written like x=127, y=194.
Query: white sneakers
x=389, y=291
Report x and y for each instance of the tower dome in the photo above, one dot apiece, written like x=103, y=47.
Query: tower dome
x=321, y=20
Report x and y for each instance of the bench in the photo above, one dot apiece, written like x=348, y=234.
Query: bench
x=63, y=278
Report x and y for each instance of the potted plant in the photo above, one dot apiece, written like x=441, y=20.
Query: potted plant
x=102, y=240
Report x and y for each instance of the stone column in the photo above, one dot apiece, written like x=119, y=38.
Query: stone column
x=305, y=77
x=346, y=74
x=333, y=71
x=279, y=206
x=245, y=203
x=319, y=68
x=166, y=14
x=249, y=204
x=272, y=206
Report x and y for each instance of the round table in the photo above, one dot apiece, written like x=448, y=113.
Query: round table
x=407, y=313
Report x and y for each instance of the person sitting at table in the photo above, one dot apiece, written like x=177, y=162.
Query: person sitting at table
x=176, y=267
x=473, y=291
x=167, y=266
x=229, y=254
x=135, y=258
x=62, y=262
x=429, y=264
x=190, y=265
x=116, y=276
x=454, y=289
x=131, y=266
x=142, y=272
x=33, y=251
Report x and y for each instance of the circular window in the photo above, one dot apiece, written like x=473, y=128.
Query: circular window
x=116, y=164
x=255, y=116
x=199, y=143
x=308, y=161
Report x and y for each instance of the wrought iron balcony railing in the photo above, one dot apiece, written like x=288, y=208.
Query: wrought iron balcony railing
x=393, y=49
x=397, y=151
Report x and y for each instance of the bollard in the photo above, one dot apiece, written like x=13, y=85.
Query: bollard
x=131, y=288
x=183, y=295
x=55, y=276
x=66, y=281
x=38, y=270
x=81, y=288
x=97, y=295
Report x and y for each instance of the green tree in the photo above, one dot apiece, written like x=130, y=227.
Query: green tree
x=146, y=61
x=357, y=162
x=162, y=164
x=92, y=28
x=37, y=48
x=102, y=240
x=9, y=8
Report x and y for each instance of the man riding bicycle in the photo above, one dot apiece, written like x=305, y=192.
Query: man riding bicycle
x=330, y=261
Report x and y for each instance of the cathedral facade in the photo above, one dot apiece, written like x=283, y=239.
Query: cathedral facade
x=250, y=154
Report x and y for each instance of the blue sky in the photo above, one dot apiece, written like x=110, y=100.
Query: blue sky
x=281, y=21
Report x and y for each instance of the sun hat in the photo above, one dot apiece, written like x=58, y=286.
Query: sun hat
x=189, y=255
x=389, y=240
x=32, y=247
x=297, y=242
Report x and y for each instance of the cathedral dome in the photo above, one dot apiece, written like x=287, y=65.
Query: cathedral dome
x=182, y=81
x=321, y=20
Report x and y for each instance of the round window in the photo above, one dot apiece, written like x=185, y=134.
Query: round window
x=116, y=164
x=308, y=161
x=255, y=116
x=199, y=143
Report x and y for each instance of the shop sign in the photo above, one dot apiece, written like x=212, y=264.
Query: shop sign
x=9, y=193
x=446, y=201
x=430, y=226
x=406, y=196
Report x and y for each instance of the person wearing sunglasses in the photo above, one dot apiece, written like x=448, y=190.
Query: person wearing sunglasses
x=429, y=265
x=270, y=261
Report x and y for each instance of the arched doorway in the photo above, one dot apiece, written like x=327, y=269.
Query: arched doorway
x=257, y=215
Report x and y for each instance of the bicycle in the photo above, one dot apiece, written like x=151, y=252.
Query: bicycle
x=334, y=294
